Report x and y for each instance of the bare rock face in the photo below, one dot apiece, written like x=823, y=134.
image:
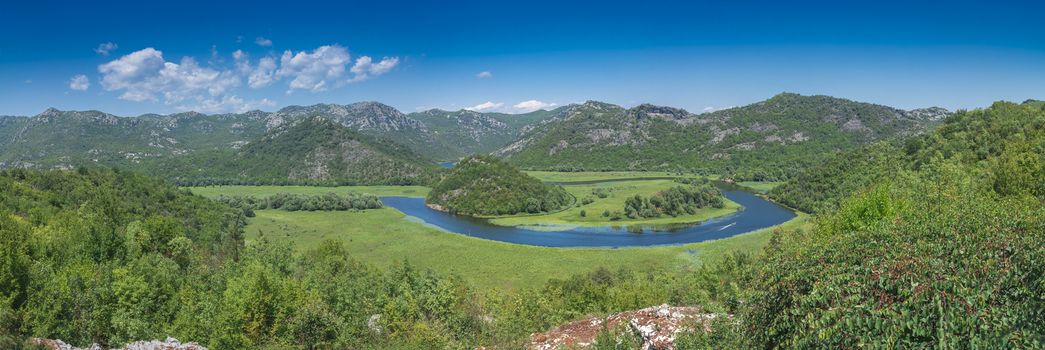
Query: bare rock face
x=168, y=344
x=655, y=326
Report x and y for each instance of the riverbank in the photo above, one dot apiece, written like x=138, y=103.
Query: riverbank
x=386, y=237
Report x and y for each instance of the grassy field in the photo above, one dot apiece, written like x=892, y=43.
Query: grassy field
x=618, y=191
x=384, y=237
x=263, y=191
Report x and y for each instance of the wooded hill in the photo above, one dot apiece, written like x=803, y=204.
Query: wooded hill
x=1007, y=135
x=487, y=186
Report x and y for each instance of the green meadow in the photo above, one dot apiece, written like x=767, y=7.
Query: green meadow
x=617, y=192
x=386, y=237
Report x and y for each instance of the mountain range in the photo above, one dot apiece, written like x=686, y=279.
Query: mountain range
x=752, y=141
x=759, y=140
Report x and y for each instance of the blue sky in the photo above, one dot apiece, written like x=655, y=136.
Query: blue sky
x=130, y=58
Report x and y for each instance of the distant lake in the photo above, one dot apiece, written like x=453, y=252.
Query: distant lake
x=447, y=165
x=757, y=213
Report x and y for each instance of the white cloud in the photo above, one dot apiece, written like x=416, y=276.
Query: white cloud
x=365, y=68
x=532, y=105
x=261, y=41
x=227, y=103
x=315, y=70
x=79, y=82
x=485, y=106
x=211, y=86
x=710, y=109
x=135, y=73
x=258, y=76
x=264, y=74
x=484, y=74
x=104, y=48
x=145, y=75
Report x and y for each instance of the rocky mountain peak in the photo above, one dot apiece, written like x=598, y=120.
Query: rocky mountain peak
x=375, y=108
x=598, y=105
x=649, y=111
x=361, y=115
x=54, y=115
x=930, y=114
x=50, y=112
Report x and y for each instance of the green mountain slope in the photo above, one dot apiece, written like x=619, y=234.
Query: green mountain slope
x=467, y=132
x=484, y=185
x=1005, y=132
x=65, y=139
x=314, y=150
x=943, y=252
x=760, y=141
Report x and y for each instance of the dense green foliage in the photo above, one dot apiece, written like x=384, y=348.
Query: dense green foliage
x=819, y=188
x=675, y=201
x=111, y=257
x=484, y=185
x=101, y=255
x=944, y=253
x=295, y=202
x=765, y=141
x=937, y=258
x=1007, y=136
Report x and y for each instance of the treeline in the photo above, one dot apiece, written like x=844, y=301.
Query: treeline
x=675, y=201
x=209, y=181
x=484, y=185
x=109, y=257
x=295, y=202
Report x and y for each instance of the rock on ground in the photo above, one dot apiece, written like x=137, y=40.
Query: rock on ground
x=656, y=327
x=169, y=344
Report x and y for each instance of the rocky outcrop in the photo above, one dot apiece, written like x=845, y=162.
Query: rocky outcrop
x=656, y=327
x=168, y=344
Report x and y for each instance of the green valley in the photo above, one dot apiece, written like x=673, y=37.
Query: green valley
x=522, y=175
x=916, y=221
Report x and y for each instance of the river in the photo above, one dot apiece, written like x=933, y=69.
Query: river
x=757, y=213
